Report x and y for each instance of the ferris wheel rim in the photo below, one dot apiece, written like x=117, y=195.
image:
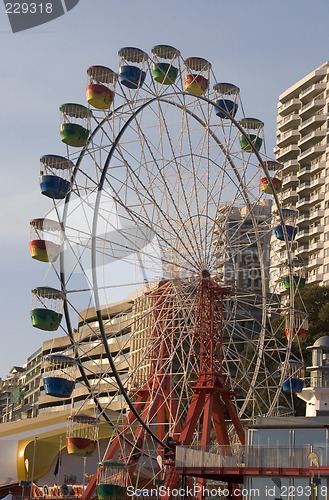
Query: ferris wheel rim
x=161, y=98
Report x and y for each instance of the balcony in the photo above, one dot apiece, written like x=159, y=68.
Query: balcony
x=316, y=198
x=289, y=107
x=303, y=202
x=312, y=123
x=317, y=245
x=302, y=251
x=312, y=107
x=312, y=91
x=316, y=230
x=304, y=172
x=312, y=138
x=317, y=166
x=303, y=188
x=290, y=180
x=289, y=196
x=314, y=262
x=314, y=278
x=317, y=182
x=288, y=153
x=291, y=121
x=283, y=140
x=316, y=214
x=303, y=220
x=290, y=167
x=312, y=153
x=302, y=235
x=307, y=202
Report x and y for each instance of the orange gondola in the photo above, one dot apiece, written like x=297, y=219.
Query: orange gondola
x=270, y=184
x=46, y=239
x=82, y=434
x=197, y=74
x=101, y=86
x=296, y=325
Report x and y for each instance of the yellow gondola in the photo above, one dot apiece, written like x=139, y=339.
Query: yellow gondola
x=197, y=74
x=100, y=90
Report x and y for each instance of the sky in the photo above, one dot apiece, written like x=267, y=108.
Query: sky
x=260, y=45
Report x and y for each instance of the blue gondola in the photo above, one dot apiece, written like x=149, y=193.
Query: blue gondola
x=55, y=176
x=291, y=232
x=132, y=67
x=294, y=385
x=294, y=371
x=226, y=95
x=59, y=375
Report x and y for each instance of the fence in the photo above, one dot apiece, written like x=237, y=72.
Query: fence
x=252, y=456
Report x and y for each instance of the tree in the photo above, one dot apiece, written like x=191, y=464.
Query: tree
x=315, y=301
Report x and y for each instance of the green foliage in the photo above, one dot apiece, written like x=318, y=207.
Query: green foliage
x=315, y=300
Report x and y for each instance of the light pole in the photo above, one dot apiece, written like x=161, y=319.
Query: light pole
x=33, y=464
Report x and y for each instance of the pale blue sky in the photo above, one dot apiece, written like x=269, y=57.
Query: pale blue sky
x=262, y=46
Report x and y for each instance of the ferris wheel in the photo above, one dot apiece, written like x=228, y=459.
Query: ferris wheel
x=164, y=211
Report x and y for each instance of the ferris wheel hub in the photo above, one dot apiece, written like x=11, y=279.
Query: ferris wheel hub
x=205, y=273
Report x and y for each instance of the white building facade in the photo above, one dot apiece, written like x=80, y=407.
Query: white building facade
x=302, y=148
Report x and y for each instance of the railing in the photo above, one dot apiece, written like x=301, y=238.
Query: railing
x=316, y=85
x=292, y=102
x=288, y=118
x=251, y=456
x=313, y=102
x=309, y=150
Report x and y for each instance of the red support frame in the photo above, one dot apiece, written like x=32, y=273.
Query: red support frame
x=211, y=404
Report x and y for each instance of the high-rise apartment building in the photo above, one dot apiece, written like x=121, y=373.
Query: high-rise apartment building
x=32, y=384
x=243, y=246
x=302, y=148
x=119, y=319
x=12, y=394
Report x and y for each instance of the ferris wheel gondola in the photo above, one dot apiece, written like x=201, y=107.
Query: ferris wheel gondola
x=100, y=90
x=132, y=67
x=55, y=176
x=75, y=124
x=165, y=64
x=252, y=139
x=46, y=239
x=227, y=99
x=59, y=375
x=197, y=75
